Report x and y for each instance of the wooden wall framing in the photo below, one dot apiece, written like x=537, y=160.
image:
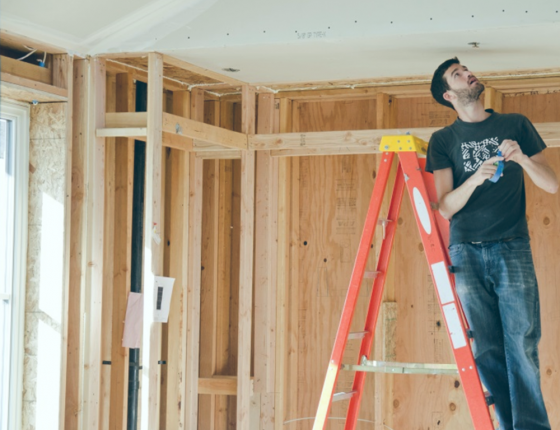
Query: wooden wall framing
x=253, y=204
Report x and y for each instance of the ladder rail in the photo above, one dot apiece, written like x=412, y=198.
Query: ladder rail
x=376, y=296
x=335, y=362
x=445, y=290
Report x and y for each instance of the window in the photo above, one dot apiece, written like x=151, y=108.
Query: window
x=14, y=172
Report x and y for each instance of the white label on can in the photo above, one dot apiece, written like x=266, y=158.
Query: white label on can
x=441, y=279
x=454, y=326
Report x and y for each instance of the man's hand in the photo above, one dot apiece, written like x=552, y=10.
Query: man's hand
x=511, y=151
x=485, y=171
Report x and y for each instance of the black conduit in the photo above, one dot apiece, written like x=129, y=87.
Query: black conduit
x=137, y=246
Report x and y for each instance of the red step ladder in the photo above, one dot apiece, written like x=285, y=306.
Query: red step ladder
x=434, y=230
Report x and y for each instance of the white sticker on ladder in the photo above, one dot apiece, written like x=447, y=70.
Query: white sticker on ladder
x=422, y=210
x=441, y=279
x=454, y=326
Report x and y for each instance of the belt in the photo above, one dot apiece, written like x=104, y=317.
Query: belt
x=487, y=242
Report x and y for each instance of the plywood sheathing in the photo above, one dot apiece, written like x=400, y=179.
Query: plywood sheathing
x=46, y=235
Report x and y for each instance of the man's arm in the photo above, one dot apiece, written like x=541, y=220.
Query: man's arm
x=536, y=166
x=452, y=200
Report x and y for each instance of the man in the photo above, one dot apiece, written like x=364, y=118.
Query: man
x=489, y=239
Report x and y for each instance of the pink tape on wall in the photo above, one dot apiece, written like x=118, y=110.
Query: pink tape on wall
x=132, y=335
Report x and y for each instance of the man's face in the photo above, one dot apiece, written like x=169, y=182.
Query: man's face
x=465, y=88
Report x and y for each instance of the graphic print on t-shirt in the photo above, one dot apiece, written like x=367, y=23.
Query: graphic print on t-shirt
x=476, y=153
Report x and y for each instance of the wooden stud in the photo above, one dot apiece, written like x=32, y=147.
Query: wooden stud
x=93, y=296
x=246, y=265
x=60, y=70
x=177, y=324
x=265, y=315
x=197, y=104
x=68, y=242
x=78, y=229
x=194, y=273
x=153, y=248
x=182, y=103
x=493, y=99
x=108, y=264
x=124, y=174
x=193, y=292
x=284, y=176
x=209, y=276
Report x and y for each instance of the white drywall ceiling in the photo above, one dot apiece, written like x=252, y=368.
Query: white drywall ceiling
x=295, y=40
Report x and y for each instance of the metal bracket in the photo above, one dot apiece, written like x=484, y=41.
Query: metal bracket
x=383, y=222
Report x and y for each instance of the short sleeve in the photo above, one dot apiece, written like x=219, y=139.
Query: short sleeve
x=529, y=139
x=437, y=157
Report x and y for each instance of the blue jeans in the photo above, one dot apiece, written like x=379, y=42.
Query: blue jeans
x=497, y=286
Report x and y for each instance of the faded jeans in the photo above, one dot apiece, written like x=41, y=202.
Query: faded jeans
x=497, y=286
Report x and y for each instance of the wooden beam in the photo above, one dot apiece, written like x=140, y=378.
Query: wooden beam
x=25, y=70
x=94, y=250
x=200, y=70
x=153, y=248
x=142, y=75
x=201, y=132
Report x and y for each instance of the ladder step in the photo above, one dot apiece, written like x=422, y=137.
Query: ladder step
x=409, y=368
x=371, y=275
x=337, y=397
x=357, y=335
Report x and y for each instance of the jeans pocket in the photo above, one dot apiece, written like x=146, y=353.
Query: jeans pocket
x=456, y=249
x=518, y=245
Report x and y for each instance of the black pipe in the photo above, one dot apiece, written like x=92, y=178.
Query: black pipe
x=137, y=247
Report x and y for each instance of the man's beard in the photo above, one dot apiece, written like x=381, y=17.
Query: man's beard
x=469, y=95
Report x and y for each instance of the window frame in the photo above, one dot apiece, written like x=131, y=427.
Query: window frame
x=19, y=114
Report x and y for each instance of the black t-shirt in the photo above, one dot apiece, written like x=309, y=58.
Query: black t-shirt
x=495, y=210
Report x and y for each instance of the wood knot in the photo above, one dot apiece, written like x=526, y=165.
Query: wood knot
x=546, y=220
x=452, y=407
x=396, y=403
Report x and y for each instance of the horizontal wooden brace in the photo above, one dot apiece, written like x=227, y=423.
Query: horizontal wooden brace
x=25, y=70
x=221, y=385
x=45, y=91
x=201, y=132
x=357, y=141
